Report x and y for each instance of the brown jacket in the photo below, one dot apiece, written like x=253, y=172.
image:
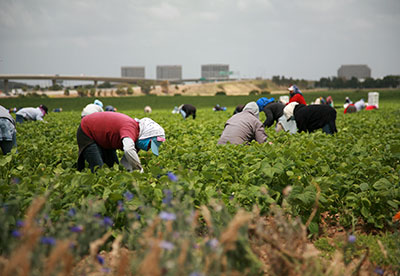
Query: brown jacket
x=243, y=128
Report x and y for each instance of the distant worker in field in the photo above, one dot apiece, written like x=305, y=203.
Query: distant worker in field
x=100, y=134
x=309, y=118
x=186, y=110
x=357, y=106
x=58, y=109
x=296, y=95
x=8, y=132
x=273, y=111
x=238, y=109
x=110, y=108
x=147, y=109
x=96, y=106
x=244, y=127
x=31, y=113
x=217, y=107
x=329, y=101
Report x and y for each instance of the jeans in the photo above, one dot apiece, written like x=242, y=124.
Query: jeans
x=97, y=156
x=6, y=146
x=19, y=118
x=327, y=129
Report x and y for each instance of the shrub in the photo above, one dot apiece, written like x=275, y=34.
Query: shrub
x=220, y=93
x=254, y=92
x=265, y=92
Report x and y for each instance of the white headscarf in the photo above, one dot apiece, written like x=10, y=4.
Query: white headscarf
x=289, y=109
x=149, y=128
x=253, y=107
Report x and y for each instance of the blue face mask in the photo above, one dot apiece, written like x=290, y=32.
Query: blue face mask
x=143, y=144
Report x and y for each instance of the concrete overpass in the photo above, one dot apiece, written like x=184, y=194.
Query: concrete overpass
x=95, y=79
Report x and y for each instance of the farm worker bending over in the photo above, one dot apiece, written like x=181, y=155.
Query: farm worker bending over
x=238, y=109
x=8, y=133
x=186, y=110
x=357, y=106
x=312, y=117
x=273, y=111
x=102, y=133
x=31, y=114
x=296, y=95
x=97, y=106
x=244, y=127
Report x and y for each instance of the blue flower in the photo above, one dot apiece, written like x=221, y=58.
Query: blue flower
x=168, y=196
x=105, y=270
x=76, y=229
x=100, y=259
x=107, y=221
x=172, y=177
x=352, y=239
x=212, y=243
x=167, y=216
x=72, y=212
x=196, y=274
x=16, y=233
x=20, y=223
x=120, y=206
x=48, y=240
x=379, y=271
x=167, y=245
x=15, y=180
x=128, y=195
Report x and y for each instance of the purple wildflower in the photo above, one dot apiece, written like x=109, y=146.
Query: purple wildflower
x=167, y=245
x=15, y=180
x=137, y=216
x=212, y=243
x=195, y=274
x=351, y=239
x=172, y=177
x=20, y=223
x=167, y=216
x=168, y=196
x=48, y=240
x=72, y=212
x=100, y=259
x=120, y=206
x=105, y=270
x=16, y=233
x=128, y=195
x=76, y=229
x=107, y=221
x=379, y=271
x=97, y=215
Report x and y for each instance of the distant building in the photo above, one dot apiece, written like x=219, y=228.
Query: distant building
x=132, y=72
x=169, y=72
x=360, y=71
x=215, y=71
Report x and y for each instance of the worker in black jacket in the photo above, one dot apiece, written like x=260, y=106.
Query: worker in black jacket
x=312, y=117
x=273, y=110
x=186, y=110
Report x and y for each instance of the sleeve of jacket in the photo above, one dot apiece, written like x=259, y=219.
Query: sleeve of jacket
x=130, y=155
x=260, y=135
x=269, y=121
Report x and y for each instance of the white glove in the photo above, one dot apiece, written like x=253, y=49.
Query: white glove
x=130, y=160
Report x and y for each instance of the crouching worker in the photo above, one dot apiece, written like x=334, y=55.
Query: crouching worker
x=244, y=127
x=102, y=133
x=8, y=136
x=186, y=110
x=312, y=117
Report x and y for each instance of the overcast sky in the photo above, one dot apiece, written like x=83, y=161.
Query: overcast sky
x=306, y=39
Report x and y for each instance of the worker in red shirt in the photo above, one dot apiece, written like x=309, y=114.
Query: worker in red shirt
x=100, y=134
x=296, y=95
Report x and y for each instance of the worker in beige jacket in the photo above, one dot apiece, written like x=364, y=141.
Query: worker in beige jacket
x=244, y=127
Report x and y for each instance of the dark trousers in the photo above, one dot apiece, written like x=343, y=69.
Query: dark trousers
x=6, y=146
x=19, y=118
x=329, y=128
x=96, y=156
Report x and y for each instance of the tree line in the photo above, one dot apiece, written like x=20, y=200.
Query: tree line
x=334, y=82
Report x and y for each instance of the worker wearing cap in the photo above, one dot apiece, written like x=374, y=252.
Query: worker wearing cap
x=296, y=95
x=31, y=114
x=100, y=134
x=273, y=110
x=96, y=106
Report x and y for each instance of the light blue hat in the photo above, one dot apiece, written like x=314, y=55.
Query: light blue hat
x=99, y=103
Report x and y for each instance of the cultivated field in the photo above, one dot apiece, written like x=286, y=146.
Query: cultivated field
x=309, y=204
